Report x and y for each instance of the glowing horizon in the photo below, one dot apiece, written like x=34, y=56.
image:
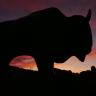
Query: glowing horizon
x=73, y=64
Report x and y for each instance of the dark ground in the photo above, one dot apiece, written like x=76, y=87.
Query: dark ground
x=63, y=82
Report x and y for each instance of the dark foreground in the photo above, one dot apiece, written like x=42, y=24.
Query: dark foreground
x=63, y=83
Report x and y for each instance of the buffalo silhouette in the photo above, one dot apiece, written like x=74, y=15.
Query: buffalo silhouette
x=47, y=35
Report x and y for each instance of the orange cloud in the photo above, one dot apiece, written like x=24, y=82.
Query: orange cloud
x=25, y=62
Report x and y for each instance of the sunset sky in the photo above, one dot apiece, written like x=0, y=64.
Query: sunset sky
x=12, y=9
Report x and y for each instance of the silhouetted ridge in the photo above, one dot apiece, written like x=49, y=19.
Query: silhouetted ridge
x=63, y=81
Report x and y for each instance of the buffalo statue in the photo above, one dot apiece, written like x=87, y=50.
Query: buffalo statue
x=47, y=35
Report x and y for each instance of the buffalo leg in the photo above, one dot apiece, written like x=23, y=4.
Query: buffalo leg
x=45, y=66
